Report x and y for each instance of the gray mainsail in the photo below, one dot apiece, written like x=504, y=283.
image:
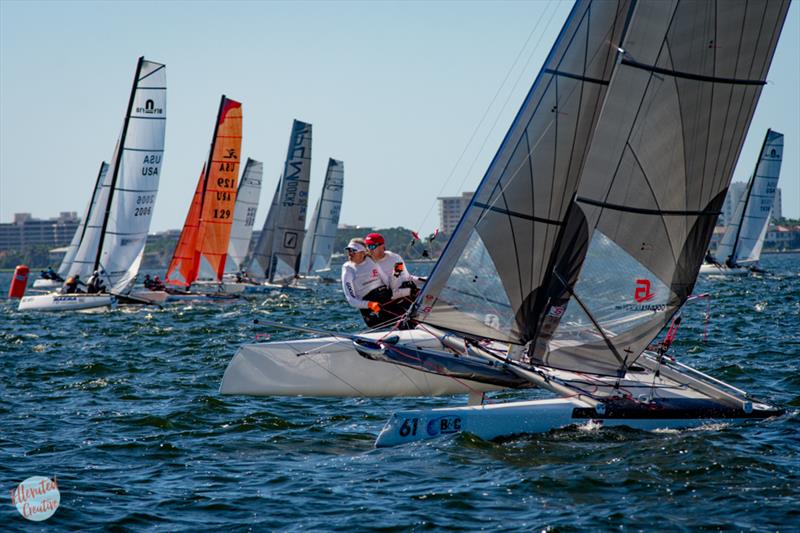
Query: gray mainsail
x=261, y=263
x=290, y=221
x=497, y=259
x=244, y=214
x=318, y=244
x=587, y=249
x=745, y=232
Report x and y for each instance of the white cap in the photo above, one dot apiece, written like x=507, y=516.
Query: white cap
x=355, y=245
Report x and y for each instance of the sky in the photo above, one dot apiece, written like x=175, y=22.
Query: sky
x=414, y=97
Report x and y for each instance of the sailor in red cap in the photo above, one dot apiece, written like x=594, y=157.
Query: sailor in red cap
x=404, y=286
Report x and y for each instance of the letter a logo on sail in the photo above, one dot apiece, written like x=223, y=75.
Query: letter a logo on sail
x=642, y=292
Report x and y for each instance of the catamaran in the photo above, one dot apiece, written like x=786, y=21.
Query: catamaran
x=77, y=238
x=315, y=259
x=276, y=256
x=740, y=249
x=115, y=232
x=203, y=245
x=581, y=243
x=244, y=217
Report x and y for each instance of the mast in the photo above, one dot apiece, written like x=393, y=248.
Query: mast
x=732, y=257
x=117, y=162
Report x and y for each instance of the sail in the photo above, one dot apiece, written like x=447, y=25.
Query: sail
x=66, y=262
x=680, y=101
x=290, y=221
x=117, y=235
x=219, y=197
x=261, y=263
x=318, y=244
x=745, y=233
x=488, y=280
x=182, y=270
x=244, y=214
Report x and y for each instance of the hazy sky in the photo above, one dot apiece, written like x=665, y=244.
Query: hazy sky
x=395, y=90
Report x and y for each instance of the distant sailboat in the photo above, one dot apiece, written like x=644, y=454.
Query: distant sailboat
x=116, y=229
x=740, y=249
x=77, y=238
x=582, y=242
x=276, y=257
x=203, y=245
x=318, y=244
x=244, y=216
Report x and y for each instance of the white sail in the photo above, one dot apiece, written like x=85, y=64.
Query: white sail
x=260, y=264
x=318, y=244
x=244, y=215
x=116, y=231
x=745, y=233
x=69, y=256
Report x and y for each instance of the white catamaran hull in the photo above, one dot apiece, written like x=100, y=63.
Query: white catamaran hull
x=331, y=366
x=48, y=284
x=521, y=418
x=65, y=302
x=710, y=269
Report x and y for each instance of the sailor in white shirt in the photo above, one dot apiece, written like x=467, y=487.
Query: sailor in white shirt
x=404, y=286
x=364, y=284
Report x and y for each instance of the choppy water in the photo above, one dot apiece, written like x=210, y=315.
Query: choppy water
x=122, y=407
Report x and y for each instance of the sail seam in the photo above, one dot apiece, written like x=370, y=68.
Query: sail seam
x=645, y=211
x=516, y=214
x=153, y=72
x=689, y=75
x=576, y=76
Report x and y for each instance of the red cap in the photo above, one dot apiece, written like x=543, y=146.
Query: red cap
x=374, y=238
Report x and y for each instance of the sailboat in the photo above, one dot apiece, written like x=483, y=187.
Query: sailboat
x=276, y=256
x=77, y=238
x=116, y=228
x=202, y=248
x=315, y=258
x=740, y=249
x=581, y=243
x=244, y=217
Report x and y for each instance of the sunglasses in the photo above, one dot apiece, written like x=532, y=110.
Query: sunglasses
x=353, y=251
x=373, y=246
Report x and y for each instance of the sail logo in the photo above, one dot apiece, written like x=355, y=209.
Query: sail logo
x=443, y=425
x=642, y=292
x=290, y=240
x=150, y=108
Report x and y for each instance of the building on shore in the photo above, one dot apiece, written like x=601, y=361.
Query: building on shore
x=26, y=231
x=450, y=210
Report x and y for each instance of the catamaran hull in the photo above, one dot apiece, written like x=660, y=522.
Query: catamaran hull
x=48, y=284
x=507, y=420
x=65, y=302
x=331, y=366
x=710, y=269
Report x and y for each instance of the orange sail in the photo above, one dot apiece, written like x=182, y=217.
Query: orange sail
x=183, y=268
x=219, y=198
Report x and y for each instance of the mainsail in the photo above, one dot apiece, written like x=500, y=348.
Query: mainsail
x=587, y=232
x=203, y=245
x=318, y=244
x=244, y=214
x=114, y=239
x=745, y=232
x=261, y=264
x=77, y=238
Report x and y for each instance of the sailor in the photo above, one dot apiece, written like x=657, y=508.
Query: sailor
x=157, y=284
x=51, y=274
x=148, y=282
x=364, y=284
x=404, y=285
x=711, y=260
x=71, y=285
x=95, y=284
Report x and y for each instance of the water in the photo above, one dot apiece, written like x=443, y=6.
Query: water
x=122, y=407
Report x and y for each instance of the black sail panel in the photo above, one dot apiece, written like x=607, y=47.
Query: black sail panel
x=498, y=258
x=673, y=123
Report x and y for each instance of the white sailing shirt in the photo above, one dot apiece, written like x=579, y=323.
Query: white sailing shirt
x=359, y=280
x=394, y=269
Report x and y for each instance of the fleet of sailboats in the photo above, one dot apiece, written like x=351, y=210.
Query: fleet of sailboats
x=582, y=242
x=740, y=249
x=113, y=239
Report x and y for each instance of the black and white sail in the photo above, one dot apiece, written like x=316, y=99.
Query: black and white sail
x=321, y=234
x=587, y=232
x=244, y=215
x=745, y=232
